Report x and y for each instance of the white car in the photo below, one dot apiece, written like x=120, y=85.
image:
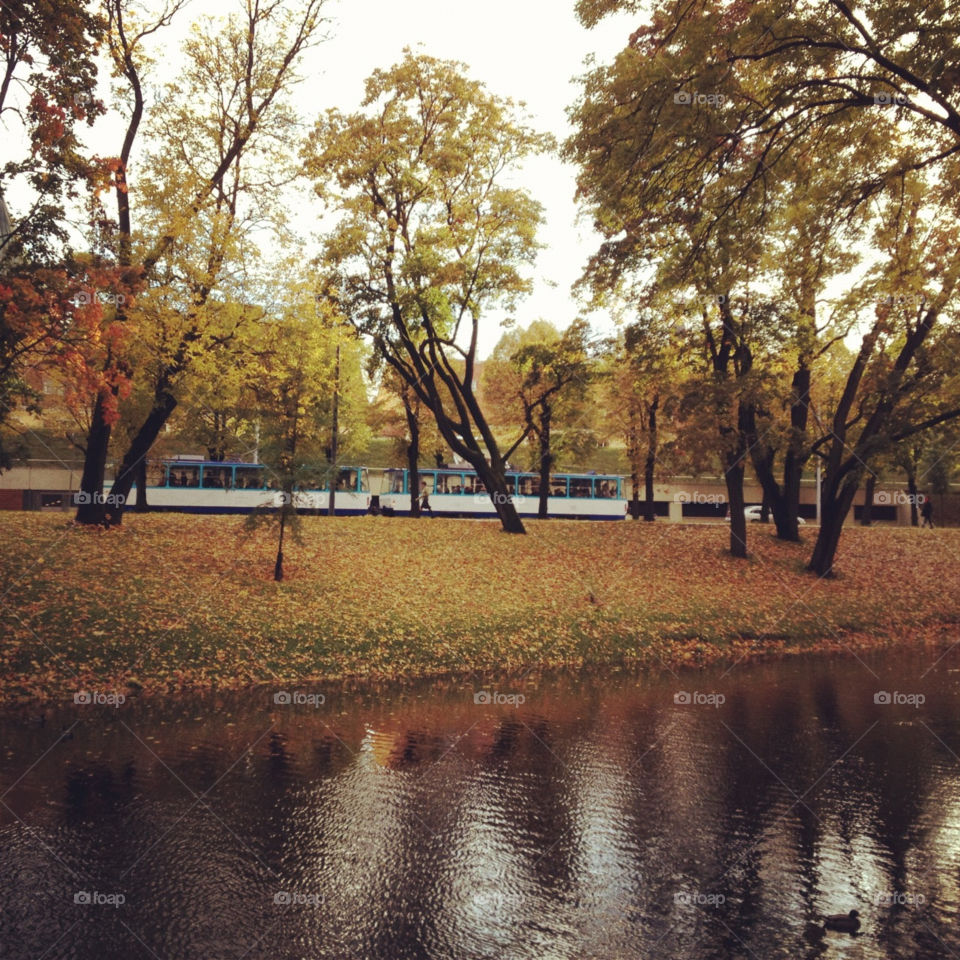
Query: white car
x=752, y=515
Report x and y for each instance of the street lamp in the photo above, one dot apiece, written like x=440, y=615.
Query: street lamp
x=331, y=509
x=319, y=300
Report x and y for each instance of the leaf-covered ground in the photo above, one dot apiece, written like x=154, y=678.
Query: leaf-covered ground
x=172, y=601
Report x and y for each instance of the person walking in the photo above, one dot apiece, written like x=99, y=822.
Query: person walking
x=926, y=511
x=425, y=499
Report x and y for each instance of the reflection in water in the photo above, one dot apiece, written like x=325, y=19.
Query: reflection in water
x=599, y=819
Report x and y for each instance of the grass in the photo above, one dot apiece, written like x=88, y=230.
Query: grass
x=170, y=602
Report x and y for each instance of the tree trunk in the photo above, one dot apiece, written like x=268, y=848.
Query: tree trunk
x=738, y=522
x=866, y=514
x=834, y=506
x=546, y=462
x=496, y=487
x=912, y=490
x=142, y=506
x=649, y=514
x=509, y=518
x=137, y=453
x=784, y=502
x=796, y=456
x=413, y=457
x=634, y=454
x=774, y=499
x=90, y=509
x=278, y=566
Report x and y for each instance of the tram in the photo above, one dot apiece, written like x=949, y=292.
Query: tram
x=194, y=485
x=459, y=492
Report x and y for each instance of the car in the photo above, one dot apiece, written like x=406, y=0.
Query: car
x=752, y=515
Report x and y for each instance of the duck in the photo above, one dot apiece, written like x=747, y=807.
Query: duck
x=844, y=922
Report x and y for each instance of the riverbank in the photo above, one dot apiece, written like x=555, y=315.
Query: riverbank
x=174, y=602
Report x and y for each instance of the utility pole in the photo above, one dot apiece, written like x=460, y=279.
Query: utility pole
x=819, y=482
x=331, y=510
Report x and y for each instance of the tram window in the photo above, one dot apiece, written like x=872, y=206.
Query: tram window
x=450, y=483
x=581, y=487
x=511, y=484
x=428, y=483
x=607, y=488
x=347, y=480
x=558, y=486
x=156, y=475
x=469, y=483
x=478, y=486
x=249, y=478
x=396, y=482
x=365, y=480
x=528, y=486
x=215, y=477
x=189, y=477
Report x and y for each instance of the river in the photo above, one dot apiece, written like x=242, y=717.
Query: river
x=591, y=816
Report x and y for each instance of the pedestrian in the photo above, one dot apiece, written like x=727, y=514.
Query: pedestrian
x=425, y=499
x=926, y=511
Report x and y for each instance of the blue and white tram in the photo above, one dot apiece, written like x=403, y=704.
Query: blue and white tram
x=460, y=493
x=193, y=485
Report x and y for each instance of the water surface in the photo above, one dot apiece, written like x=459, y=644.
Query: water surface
x=602, y=817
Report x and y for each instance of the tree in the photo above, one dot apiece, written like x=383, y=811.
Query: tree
x=429, y=236
x=710, y=124
x=231, y=95
x=644, y=387
x=535, y=377
x=49, y=318
x=290, y=382
x=810, y=243
x=401, y=413
x=905, y=352
x=792, y=71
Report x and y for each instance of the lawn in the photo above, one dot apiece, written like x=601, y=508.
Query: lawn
x=171, y=601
